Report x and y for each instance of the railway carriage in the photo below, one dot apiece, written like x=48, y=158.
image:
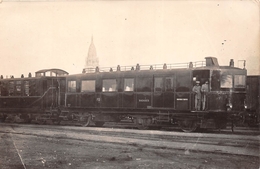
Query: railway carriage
x=26, y=98
x=152, y=96
x=155, y=96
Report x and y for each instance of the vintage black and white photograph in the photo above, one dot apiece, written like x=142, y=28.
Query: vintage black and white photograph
x=120, y=84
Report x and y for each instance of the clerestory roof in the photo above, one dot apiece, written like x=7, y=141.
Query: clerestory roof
x=51, y=72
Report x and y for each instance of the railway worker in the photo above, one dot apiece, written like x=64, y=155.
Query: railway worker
x=204, y=91
x=197, y=90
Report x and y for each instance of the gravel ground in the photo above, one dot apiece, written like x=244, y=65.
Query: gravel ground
x=26, y=147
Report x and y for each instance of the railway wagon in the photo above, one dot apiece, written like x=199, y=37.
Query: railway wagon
x=252, y=117
x=156, y=95
x=149, y=95
x=26, y=98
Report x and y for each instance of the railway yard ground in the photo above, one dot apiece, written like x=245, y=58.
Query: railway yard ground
x=31, y=146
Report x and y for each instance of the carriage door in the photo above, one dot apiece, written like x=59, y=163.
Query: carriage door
x=163, y=91
x=182, y=90
x=51, y=95
x=158, y=91
x=201, y=76
x=62, y=91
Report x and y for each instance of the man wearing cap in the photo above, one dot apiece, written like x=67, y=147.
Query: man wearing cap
x=197, y=90
x=204, y=91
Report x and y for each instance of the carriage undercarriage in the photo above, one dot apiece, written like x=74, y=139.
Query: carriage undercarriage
x=187, y=121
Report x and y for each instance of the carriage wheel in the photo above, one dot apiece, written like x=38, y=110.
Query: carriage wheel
x=142, y=123
x=56, y=121
x=41, y=122
x=12, y=119
x=188, y=125
x=99, y=123
x=3, y=118
x=26, y=118
x=85, y=121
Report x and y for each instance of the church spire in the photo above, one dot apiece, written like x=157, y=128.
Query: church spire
x=92, y=60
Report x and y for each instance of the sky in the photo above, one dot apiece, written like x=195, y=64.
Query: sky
x=37, y=35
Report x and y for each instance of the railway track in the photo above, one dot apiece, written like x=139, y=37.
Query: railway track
x=53, y=146
x=239, y=143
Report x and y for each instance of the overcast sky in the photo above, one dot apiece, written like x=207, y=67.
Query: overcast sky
x=39, y=35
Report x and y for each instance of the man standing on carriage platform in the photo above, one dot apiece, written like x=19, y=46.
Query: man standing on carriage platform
x=204, y=91
x=197, y=89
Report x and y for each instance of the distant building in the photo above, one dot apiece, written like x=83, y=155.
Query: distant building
x=92, y=60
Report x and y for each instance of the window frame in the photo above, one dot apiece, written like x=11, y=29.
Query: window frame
x=93, y=86
x=69, y=89
x=172, y=84
x=158, y=84
x=240, y=85
x=144, y=84
x=226, y=81
x=131, y=88
x=26, y=85
x=109, y=86
x=18, y=88
x=11, y=88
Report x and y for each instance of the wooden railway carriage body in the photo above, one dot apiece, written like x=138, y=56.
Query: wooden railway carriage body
x=21, y=99
x=150, y=97
x=156, y=96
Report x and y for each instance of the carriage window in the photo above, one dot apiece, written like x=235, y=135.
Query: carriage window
x=26, y=88
x=240, y=81
x=88, y=85
x=39, y=74
x=168, y=84
x=4, y=88
x=11, y=88
x=72, y=86
x=226, y=81
x=109, y=85
x=183, y=81
x=158, y=84
x=129, y=85
x=18, y=88
x=34, y=88
x=144, y=84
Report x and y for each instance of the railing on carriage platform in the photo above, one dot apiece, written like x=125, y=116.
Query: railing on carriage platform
x=146, y=67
